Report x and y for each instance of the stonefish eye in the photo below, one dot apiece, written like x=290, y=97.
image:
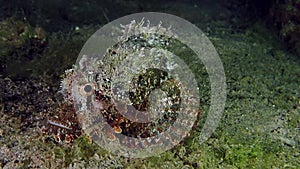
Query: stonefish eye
x=87, y=89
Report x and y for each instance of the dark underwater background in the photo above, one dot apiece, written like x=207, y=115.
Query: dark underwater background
x=257, y=41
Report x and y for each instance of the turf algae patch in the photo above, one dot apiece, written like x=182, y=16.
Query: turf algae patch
x=258, y=128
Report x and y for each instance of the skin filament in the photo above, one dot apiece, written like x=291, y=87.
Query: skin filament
x=59, y=125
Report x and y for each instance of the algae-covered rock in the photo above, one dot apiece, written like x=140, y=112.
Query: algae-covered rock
x=20, y=43
x=285, y=16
